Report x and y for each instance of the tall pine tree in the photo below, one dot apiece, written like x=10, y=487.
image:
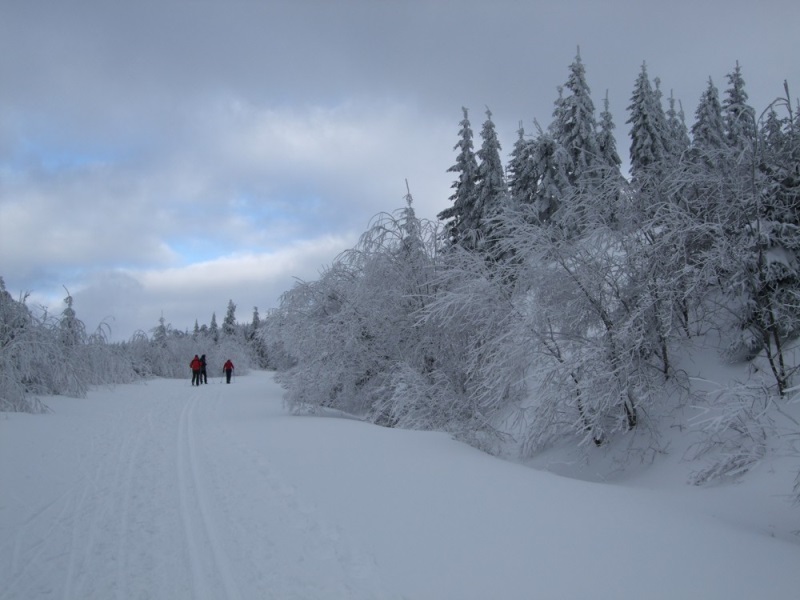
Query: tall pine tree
x=551, y=161
x=738, y=116
x=575, y=126
x=229, y=322
x=491, y=192
x=648, y=134
x=610, y=177
x=458, y=225
x=708, y=135
x=523, y=179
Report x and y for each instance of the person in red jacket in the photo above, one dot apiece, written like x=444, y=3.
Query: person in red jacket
x=196, y=365
x=228, y=368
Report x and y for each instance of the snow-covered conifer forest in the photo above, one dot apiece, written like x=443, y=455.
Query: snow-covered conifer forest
x=557, y=301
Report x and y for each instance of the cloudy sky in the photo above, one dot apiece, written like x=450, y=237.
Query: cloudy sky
x=165, y=156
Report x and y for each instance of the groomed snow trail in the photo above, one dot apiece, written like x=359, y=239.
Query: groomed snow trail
x=145, y=495
x=162, y=490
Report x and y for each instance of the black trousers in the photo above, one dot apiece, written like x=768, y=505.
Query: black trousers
x=196, y=377
x=228, y=375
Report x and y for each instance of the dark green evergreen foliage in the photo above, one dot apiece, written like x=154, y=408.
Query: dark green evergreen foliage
x=256, y=343
x=73, y=331
x=229, y=322
x=677, y=132
x=161, y=331
x=610, y=182
x=491, y=191
x=19, y=332
x=459, y=224
x=41, y=355
x=708, y=133
x=551, y=161
x=213, y=328
x=606, y=141
x=523, y=179
x=575, y=127
x=575, y=131
x=739, y=117
x=649, y=146
x=354, y=335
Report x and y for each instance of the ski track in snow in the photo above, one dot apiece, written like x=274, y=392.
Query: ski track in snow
x=167, y=505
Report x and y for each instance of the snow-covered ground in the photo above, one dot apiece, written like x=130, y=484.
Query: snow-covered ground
x=163, y=490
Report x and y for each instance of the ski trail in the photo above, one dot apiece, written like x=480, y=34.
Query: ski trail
x=156, y=497
x=91, y=507
x=39, y=513
x=194, y=504
x=38, y=546
x=102, y=513
x=292, y=549
x=220, y=558
x=125, y=512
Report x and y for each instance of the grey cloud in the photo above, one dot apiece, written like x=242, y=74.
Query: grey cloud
x=139, y=135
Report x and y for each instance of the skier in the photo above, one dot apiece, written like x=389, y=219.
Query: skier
x=196, y=366
x=203, y=373
x=228, y=368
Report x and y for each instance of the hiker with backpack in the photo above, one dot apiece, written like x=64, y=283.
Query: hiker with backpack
x=203, y=372
x=196, y=366
x=228, y=369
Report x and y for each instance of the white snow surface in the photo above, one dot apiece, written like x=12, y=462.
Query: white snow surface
x=163, y=490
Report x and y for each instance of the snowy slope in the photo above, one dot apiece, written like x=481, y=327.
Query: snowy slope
x=162, y=490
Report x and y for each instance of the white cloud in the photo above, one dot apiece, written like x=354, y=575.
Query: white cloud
x=129, y=300
x=190, y=150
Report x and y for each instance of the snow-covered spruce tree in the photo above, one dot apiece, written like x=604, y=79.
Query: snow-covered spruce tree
x=160, y=332
x=764, y=252
x=167, y=352
x=270, y=338
x=459, y=224
x=523, y=180
x=738, y=116
x=44, y=355
x=575, y=127
x=658, y=185
x=677, y=131
x=754, y=263
x=551, y=161
x=610, y=181
x=353, y=332
x=232, y=347
x=258, y=347
x=229, y=322
x=310, y=323
x=649, y=140
x=25, y=348
x=107, y=363
x=72, y=331
x=709, y=157
x=213, y=329
x=417, y=391
x=708, y=152
x=491, y=191
x=481, y=355
x=584, y=306
x=708, y=130
x=72, y=337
